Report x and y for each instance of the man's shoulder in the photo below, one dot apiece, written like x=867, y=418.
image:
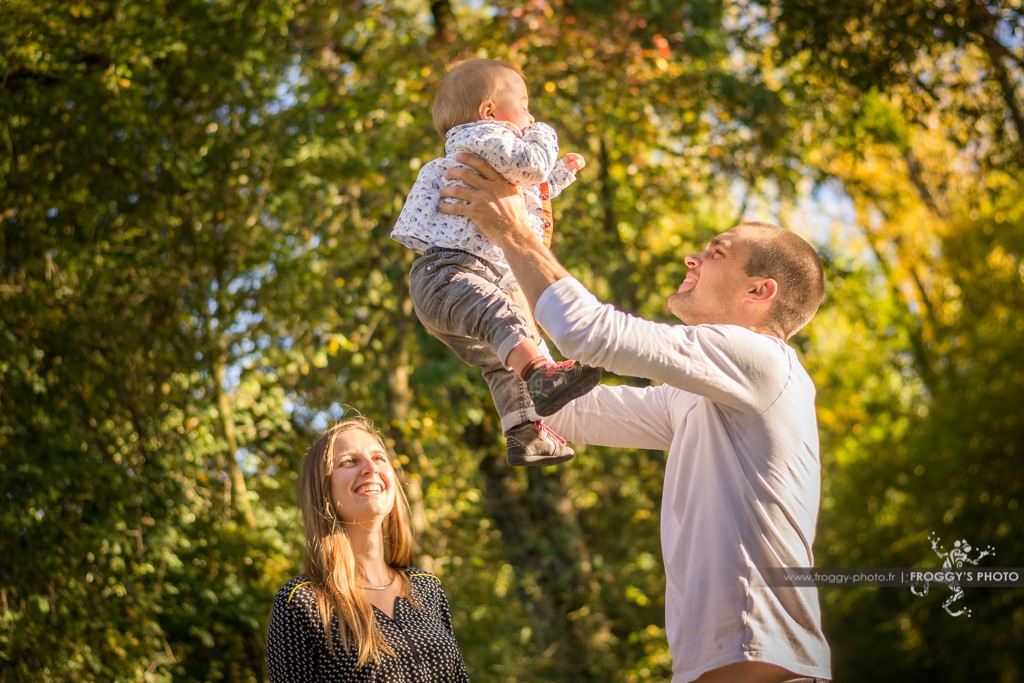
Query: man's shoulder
x=738, y=337
x=762, y=357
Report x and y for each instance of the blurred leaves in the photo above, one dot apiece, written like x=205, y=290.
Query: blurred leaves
x=196, y=277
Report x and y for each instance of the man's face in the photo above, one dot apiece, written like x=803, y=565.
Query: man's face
x=716, y=283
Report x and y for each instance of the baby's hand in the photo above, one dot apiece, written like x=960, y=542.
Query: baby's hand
x=574, y=162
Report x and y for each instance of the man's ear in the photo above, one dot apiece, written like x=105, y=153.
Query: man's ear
x=486, y=110
x=763, y=289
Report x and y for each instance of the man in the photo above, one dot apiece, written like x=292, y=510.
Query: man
x=733, y=407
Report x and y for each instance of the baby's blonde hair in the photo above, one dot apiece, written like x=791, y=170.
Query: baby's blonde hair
x=467, y=83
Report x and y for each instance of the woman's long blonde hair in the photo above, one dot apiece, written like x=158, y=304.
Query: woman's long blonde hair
x=330, y=562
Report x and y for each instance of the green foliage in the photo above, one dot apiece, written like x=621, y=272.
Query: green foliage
x=196, y=277
x=919, y=391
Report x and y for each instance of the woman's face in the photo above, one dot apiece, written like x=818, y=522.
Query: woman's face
x=362, y=480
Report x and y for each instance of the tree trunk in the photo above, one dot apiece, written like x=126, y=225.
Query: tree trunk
x=397, y=342
x=997, y=52
x=237, y=494
x=544, y=543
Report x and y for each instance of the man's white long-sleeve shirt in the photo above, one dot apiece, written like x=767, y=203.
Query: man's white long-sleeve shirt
x=735, y=411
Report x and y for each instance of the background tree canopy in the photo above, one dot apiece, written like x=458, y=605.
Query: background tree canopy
x=196, y=277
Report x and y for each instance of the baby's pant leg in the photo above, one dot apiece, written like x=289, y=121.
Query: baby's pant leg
x=458, y=300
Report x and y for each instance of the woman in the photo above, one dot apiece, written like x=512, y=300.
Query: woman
x=360, y=613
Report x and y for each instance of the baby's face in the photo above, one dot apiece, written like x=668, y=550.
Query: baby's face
x=512, y=104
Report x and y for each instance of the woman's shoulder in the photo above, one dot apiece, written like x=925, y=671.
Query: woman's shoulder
x=298, y=590
x=295, y=610
x=424, y=582
x=420, y=576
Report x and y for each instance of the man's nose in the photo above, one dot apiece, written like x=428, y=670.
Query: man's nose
x=692, y=261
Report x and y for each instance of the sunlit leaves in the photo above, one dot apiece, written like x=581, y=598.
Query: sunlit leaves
x=917, y=431
x=196, y=275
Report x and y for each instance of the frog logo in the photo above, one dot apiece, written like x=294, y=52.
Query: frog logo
x=953, y=559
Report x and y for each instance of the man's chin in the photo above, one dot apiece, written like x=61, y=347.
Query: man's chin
x=677, y=308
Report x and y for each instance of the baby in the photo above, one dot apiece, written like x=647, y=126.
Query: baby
x=462, y=288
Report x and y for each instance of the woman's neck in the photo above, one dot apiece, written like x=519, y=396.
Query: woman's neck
x=368, y=550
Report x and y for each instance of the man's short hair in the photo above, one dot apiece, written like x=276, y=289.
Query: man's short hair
x=467, y=83
x=794, y=264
